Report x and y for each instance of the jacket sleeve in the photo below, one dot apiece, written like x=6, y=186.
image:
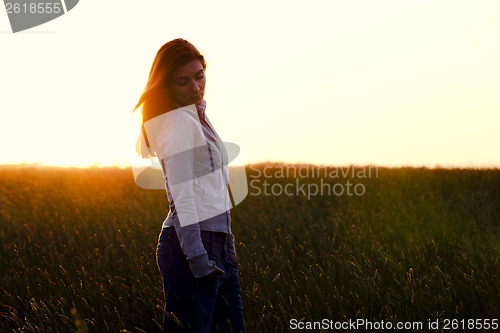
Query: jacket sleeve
x=177, y=140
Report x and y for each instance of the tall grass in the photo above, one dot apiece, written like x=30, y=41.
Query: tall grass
x=77, y=250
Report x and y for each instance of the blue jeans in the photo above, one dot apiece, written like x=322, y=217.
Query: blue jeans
x=206, y=304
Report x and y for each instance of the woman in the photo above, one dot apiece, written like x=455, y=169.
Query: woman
x=195, y=253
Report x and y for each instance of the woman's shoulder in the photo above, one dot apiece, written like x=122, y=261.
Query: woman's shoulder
x=185, y=113
x=183, y=118
x=179, y=129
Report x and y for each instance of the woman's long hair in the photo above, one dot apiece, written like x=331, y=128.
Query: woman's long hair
x=156, y=97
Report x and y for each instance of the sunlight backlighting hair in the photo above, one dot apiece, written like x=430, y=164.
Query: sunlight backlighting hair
x=156, y=97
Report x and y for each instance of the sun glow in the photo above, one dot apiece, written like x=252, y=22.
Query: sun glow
x=385, y=83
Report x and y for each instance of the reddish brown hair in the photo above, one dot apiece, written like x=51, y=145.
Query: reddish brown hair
x=156, y=97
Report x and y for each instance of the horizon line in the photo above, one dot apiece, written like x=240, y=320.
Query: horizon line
x=263, y=163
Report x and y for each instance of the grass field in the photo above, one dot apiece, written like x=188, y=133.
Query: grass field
x=77, y=250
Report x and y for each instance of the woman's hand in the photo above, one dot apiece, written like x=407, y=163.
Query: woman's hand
x=233, y=257
x=215, y=272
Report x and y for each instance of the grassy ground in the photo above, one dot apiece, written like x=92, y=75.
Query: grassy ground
x=77, y=249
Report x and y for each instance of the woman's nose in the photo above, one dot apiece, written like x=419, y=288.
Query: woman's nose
x=194, y=85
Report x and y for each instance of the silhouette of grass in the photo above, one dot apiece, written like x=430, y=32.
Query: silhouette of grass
x=77, y=249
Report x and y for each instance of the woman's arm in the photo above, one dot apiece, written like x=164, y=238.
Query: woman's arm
x=176, y=141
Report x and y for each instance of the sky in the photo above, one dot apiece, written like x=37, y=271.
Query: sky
x=387, y=83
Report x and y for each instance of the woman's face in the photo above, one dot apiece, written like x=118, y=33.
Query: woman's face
x=188, y=83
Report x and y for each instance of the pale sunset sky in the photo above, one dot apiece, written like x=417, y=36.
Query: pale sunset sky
x=389, y=83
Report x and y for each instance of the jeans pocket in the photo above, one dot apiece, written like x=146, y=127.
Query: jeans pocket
x=233, y=258
x=211, y=250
